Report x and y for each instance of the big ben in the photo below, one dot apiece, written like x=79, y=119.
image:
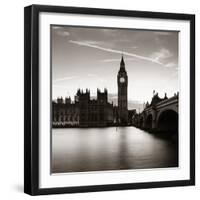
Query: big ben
x=122, y=82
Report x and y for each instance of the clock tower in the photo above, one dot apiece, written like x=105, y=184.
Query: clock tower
x=122, y=82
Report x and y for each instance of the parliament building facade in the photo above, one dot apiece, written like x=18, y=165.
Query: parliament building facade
x=87, y=112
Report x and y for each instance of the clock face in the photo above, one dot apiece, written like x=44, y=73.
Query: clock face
x=122, y=80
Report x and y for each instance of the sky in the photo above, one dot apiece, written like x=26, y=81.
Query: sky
x=89, y=57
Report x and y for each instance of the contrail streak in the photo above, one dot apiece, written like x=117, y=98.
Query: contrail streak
x=115, y=51
x=65, y=78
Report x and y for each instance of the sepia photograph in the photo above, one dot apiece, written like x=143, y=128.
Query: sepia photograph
x=115, y=99
x=109, y=99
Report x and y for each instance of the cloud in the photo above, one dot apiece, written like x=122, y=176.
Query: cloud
x=160, y=55
x=65, y=79
x=110, y=32
x=59, y=86
x=134, y=47
x=85, y=44
x=92, y=75
x=96, y=77
x=92, y=42
x=59, y=30
x=63, y=33
x=164, y=33
x=171, y=64
x=57, y=27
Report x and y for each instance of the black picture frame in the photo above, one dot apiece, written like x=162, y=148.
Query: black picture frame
x=31, y=98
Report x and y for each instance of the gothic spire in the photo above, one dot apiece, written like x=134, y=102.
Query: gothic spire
x=122, y=63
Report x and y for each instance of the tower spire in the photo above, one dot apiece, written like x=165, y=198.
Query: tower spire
x=122, y=63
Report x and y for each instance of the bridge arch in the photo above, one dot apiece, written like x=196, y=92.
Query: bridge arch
x=167, y=121
x=149, y=122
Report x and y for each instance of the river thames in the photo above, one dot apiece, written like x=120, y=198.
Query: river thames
x=97, y=149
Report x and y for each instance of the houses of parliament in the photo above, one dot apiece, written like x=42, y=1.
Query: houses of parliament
x=87, y=112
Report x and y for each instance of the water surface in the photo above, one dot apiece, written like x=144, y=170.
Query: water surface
x=96, y=149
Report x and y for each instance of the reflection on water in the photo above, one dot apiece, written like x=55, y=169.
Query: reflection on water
x=96, y=149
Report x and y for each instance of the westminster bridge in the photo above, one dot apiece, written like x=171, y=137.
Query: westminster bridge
x=159, y=116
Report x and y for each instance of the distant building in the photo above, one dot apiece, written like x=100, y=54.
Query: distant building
x=87, y=112
x=155, y=99
x=131, y=114
x=65, y=113
x=83, y=112
x=98, y=112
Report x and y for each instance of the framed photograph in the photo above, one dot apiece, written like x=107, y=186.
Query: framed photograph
x=109, y=99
